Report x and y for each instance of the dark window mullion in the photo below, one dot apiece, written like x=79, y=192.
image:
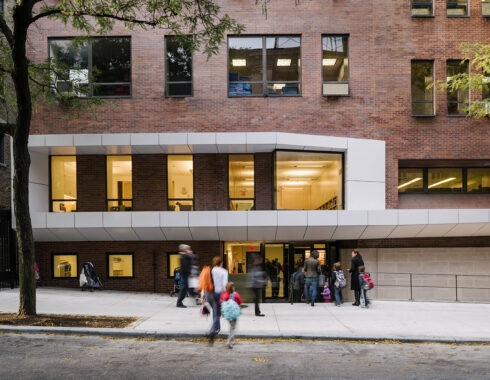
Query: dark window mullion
x=425, y=179
x=465, y=180
x=264, y=66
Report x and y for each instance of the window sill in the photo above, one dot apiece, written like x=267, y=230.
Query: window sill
x=265, y=96
x=178, y=96
x=421, y=16
x=433, y=115
x=336, y=96
x=466, y=16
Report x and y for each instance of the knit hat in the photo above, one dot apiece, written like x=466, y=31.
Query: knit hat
x=184, y=247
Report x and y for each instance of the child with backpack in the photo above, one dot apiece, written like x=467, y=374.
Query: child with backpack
x=366, y=284
x=230, y=309
x=339, y=282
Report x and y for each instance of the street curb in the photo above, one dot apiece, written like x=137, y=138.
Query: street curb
x=133, y=334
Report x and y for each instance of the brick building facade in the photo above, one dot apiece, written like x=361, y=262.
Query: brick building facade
x=372, y=129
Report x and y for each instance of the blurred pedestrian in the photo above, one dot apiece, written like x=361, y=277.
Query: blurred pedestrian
x=354, y=276
x=186, y=262
x=257, y=281
x=299, y=284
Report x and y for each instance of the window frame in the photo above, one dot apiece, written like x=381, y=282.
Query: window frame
x=264, y=81
x=485, y=15
x=468, y=90
x=51, y=200
x=427, y=2
x=433, y=92
x=274, y=182
x=168, y=83
x=2, y=150
x=228, y=181
x=456, y=2
x=108, y=254
x=53, y=254
x=107, y=200
x=90, y=66
x=425, y=180
x=193, y=199
x=170, y=253
x=348, y=58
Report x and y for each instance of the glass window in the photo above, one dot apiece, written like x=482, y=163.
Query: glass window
x=63, y=183
x=179, y=67
x=422, y=96
x=180, y=182
x=421, y=8
x=308, y=181
x=485, y=8
x=173, y=262
x=279, y=57
x=120, y=265
x=65, y=266
x=335, y=65
x=486, y=91
x=456, y=8
x=445, y=180
x=119, y=183
x=410, y=180
x=478, y=180
x=100, y=67
x=457, y=101
x=241, y=190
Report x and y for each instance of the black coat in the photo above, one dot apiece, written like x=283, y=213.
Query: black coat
x=354, y=273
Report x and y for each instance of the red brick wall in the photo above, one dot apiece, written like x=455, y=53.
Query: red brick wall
x=150, y=262
x=263, y=181
x=383, y=41
x=149, y=182
x=210, y=186
x=91, y=183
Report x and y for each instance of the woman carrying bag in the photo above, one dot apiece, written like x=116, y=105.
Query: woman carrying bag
x=354, y=276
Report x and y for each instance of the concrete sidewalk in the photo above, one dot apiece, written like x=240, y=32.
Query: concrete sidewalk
x=398, y=320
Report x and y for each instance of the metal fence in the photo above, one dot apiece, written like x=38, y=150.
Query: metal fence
x=8, y=258
x=456, y=287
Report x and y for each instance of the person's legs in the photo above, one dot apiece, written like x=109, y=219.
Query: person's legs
x=308, y=289
x=182, y=292
x=337, y=295
x=257, y=292
x=357, y=294
x=314, y=285
x=366, y=300
x=213, y=301
x=231, y=336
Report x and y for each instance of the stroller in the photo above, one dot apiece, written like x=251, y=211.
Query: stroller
x=178, y=282
x=89, y=278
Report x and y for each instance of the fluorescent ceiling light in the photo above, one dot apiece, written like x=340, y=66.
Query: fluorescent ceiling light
x=329, y=61
x=410, y=182
x=278, y=86
x=283, y=62
x=300, y=179
x=308, y=166
x=441, y=182
x=239, y=62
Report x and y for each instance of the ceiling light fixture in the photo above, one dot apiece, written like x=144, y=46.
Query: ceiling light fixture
x=410, y=182
x=239, y=62
x=283, y=62
x=329, y=61
x=441, y=182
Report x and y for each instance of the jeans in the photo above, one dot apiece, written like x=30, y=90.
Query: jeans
x=257, y=292
x=183, y=291
x=365, y=300
x=213, y=299
x=231, y=336
x=311, y=287
x=338, y=294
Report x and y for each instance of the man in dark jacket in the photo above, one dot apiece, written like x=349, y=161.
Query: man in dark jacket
x=299, y=284
x=186, y=262
x=257, y=281
x=312, y=270
x=354, y=276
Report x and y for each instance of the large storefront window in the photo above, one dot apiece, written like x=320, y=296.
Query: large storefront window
x=478, y=180
x=241, y=190
x=120, y=265
x=63, y=183
x=308, y=181
x=119, y=183
x=410, y=180
x=445, y=180
x=173, y=263
x=180, y=182
x=65, y=266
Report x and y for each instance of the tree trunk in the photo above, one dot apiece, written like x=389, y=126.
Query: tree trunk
x=25, y=243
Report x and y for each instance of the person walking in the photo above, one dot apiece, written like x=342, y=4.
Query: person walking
x=338, y=281
x=186, y=262
x=257, y=281
x=299, y=284
x=312, y=270
x=231, y=312
x=354, y=276
x=219, y=277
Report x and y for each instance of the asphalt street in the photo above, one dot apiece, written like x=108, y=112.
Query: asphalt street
x=40, y=356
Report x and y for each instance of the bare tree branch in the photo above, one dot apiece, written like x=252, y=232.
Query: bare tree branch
x=6, y=31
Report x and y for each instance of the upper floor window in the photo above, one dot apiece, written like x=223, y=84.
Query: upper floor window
x=422, y=8
x=457, y=100
x=178, y=61
x=335, y=65
x=119, y=183
x=63, y=183
x=444, y=180
x=485, y=8
x=100, y=67
x=308, y=181
x=457, y=8
x=180, y=177
x=264, y=66
x=241, y=180
x=422, y=92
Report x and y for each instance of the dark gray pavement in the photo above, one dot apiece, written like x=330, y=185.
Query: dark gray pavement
x=30, y=356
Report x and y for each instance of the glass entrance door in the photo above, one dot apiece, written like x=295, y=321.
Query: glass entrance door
x=275, y=254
